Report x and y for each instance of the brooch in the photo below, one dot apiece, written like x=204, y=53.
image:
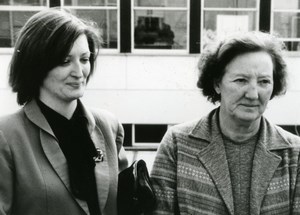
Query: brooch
x=100, y=156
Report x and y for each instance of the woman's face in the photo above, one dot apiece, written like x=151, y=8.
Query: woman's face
x=246, y=87
x=67, y=82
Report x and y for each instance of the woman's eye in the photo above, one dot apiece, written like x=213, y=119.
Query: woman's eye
x=240, y=80
x=65, y=62
x=265, y=81
x=85, y=60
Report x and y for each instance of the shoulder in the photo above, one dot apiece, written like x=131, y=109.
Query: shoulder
x=278, y=138
x=192, y=131
x=184, y=128
x=105, y=119
x=289, y=138
x=14, y=120
x=103, y=115
x=197, y=129
x=14, y=128
x=180, y=135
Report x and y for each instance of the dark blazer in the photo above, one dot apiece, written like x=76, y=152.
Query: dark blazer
x=190, y=174
x=34, y=172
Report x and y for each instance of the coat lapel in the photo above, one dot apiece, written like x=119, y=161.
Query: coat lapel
x=264, y=166
x=55, y=157
x=49, y=142
x=213, y=157
x=101, y=171
x=102, y=168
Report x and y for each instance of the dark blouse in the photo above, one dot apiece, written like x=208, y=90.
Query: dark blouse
x=76, y=144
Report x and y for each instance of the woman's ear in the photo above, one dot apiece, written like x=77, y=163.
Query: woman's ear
x=217, y=87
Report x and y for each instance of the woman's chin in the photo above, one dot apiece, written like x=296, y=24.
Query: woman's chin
x=248, y=117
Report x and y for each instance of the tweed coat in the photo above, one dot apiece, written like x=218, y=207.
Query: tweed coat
x=190, y=173
x=34, y=172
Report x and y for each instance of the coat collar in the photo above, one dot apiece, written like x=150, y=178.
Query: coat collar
x=213, y=157
x=34, y=113
x=56, y=157
x=271, y=136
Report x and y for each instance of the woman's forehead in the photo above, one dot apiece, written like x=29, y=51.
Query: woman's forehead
x=259, y=63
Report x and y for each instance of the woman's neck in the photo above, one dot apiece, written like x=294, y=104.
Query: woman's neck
x=238, y=131
x=65, y=109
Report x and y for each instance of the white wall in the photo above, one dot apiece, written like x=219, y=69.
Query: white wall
x=157, y=89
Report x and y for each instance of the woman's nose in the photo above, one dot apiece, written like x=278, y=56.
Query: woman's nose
x=252, y=91
x=77, y=70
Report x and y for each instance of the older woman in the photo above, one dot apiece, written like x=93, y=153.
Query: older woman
x=56, y=155
x=233, y=161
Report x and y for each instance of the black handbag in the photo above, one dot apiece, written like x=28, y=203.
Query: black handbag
x=135, y=192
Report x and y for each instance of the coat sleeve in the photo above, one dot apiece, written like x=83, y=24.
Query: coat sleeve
x=6, y=173
x=164, y=176
x=123, y=162
x=296, y=196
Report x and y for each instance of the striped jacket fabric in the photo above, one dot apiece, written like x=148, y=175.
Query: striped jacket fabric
x=190, y=173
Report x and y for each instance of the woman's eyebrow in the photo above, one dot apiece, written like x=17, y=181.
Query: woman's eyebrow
x=84, y=53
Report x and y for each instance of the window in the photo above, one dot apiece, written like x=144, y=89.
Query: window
x=13, y=17
x=286, y=22
x=294, y=129
x=168, y=26
x=160, y=24
x=149, y=133
x=127, y=134
x=143, y=135
x=221, y=17
x=103, y=12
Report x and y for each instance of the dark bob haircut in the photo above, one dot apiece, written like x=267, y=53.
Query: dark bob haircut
x=215, y=58
x=43, y=43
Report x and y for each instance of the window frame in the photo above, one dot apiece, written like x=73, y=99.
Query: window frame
x=229, y=9
x=272, y=16
x=18, y=8
x=160, y=51
x=104, y=8
x=194, y=10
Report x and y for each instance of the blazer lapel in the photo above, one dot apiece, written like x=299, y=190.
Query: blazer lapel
x=51, y=147
x=264, y=166
x=55, y=157
x=213, y=158
x=102, y=168
x=49, y=142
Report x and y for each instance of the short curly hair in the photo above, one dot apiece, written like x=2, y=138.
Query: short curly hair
x=43, y=43
x=216, y=57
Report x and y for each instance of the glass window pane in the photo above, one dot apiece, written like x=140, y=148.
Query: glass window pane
x=160, y=3
x=4, y=2
x=24, y=2
x=160, y=29
x=5, y=35
x=231, y=3
x=90, y=2
x=287, y=25
x=107, y=21
x=292, y=4
x=292, y=45
x=11, y=22
x=145, y=133
x=221, y=23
